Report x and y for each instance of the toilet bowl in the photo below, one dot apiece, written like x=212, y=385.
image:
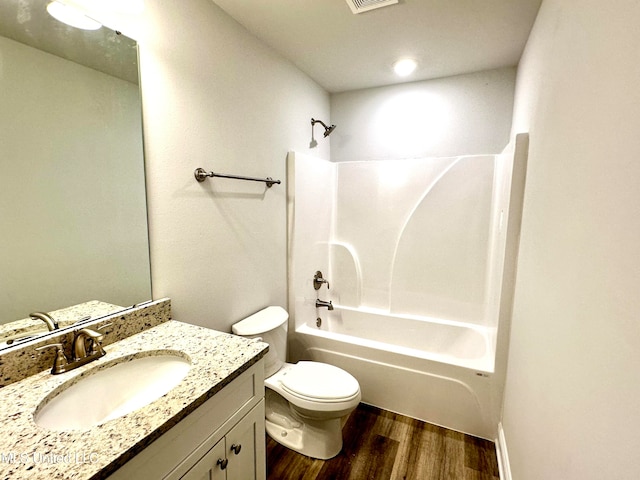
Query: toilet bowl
x=305, y=402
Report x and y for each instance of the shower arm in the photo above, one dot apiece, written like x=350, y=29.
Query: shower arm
x=313, y=122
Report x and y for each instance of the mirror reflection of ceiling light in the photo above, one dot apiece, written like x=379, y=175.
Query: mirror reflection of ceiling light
x=71, y=16
x=404, y=67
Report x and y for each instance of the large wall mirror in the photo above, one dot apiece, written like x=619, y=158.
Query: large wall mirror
x=73, y=216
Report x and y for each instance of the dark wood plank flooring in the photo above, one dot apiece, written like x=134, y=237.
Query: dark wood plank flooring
x=380, y=445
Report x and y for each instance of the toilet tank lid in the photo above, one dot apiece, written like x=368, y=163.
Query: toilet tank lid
x=260, y=322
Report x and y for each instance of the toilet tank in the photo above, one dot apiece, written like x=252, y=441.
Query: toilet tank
x=269, y=324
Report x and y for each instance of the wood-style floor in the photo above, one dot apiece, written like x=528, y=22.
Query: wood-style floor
x=380, y=445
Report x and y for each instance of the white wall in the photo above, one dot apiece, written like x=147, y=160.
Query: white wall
x=461, y=115
x=573, y=390
x=215, y=97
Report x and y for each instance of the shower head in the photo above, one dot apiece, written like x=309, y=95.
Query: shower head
x=327, y=130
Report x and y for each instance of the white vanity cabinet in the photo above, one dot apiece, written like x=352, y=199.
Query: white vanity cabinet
x=223, y=439
x=234, y=456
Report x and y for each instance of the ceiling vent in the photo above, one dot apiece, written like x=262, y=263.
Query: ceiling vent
x=359, y=6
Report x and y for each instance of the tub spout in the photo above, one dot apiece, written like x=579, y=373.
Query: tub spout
x=322, y=303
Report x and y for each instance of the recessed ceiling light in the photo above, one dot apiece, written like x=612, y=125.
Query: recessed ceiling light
x=71, y=16
x=405, y=67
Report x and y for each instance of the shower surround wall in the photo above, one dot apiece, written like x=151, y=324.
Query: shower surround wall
x=414, y=253
x=413, y=237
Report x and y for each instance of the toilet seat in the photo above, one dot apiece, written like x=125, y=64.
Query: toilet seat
x=320, y=382
x=312, y=380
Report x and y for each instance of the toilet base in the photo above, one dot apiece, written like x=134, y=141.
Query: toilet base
x=321, y=439
x=320, y=444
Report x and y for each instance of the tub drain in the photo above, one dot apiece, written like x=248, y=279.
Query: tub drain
x=318, y=322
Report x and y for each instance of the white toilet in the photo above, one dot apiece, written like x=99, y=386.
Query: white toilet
x=304, y=402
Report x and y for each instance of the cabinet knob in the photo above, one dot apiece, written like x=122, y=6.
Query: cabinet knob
x=223, y=463
x=236, y=448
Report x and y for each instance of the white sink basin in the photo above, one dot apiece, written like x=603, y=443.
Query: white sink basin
x=108, y=392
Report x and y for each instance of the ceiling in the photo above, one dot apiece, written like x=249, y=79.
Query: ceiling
x=27, y=22
x=342, y=51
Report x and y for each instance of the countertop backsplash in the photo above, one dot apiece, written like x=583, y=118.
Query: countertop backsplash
x=23, y=361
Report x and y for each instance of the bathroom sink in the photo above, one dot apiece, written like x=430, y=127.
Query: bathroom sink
x=110, y=391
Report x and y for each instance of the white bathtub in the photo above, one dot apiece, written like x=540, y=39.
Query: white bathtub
x=431, y=369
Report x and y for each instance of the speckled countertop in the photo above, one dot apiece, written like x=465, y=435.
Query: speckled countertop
x=29, y=451
x=65, y=317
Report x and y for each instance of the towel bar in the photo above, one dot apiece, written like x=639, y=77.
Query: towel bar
x=201, y=174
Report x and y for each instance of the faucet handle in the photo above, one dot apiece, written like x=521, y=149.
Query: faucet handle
x=82, y=319
x=50, y=345
x=318, y=280
x=96, y=345
x=60, y=362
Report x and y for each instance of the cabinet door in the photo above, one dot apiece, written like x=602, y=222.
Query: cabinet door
x=245, y=445
x=210, y=467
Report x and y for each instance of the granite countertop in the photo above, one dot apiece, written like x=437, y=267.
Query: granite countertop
x=64, y=316
x=30, y=451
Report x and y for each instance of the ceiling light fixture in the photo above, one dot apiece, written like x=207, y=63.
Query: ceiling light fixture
x=404, y=67
x=71, y=16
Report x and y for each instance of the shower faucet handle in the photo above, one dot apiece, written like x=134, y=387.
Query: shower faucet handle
x=318, y=281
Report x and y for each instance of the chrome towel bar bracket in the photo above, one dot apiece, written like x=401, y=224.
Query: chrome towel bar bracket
x=201, y=174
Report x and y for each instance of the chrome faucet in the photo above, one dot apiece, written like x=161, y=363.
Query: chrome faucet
x=322, y=303
x=46, y=318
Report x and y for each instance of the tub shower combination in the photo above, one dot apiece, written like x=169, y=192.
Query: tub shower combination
x=416, y=261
